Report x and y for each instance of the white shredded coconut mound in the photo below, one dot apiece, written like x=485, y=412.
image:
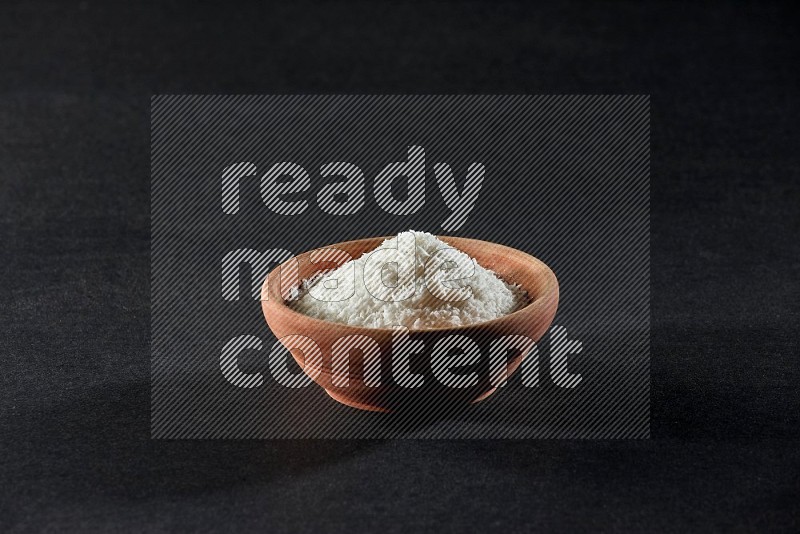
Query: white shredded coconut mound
x=412, y=280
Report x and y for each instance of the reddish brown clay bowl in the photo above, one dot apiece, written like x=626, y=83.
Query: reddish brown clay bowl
x=510, y=264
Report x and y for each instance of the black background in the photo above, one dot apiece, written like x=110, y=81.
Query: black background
x=75, y=86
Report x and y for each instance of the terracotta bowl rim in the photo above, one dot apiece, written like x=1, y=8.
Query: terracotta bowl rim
x=550, y=290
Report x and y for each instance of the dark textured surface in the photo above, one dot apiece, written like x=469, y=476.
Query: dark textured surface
x=75, y=452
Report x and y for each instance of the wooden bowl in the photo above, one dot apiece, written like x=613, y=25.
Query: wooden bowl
x=511, y=265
